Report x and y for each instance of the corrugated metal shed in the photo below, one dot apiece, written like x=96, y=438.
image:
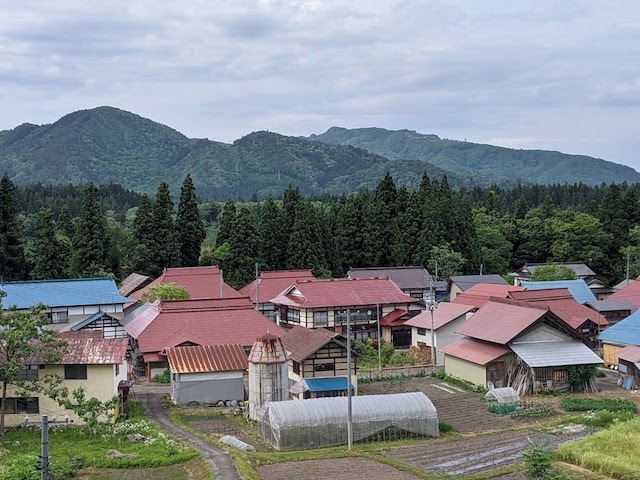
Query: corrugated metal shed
x=91, y=348
x=578, y=288
x=555, y=354
x=207, y=358
x=475, y=351
x=62, y=293
x=343, y=292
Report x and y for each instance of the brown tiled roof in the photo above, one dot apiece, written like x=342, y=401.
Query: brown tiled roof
x=200, y=282
x=270, y=284
x=501, y=320
x=302, y=342
x=475, y=351
x=343, y=292
x=480, y=293
x=445, y=313
x=91, y=348
x=207, y=358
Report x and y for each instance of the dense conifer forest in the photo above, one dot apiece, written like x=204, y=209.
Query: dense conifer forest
x=69, y=231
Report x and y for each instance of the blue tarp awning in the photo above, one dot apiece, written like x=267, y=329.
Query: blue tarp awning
x=326, y=384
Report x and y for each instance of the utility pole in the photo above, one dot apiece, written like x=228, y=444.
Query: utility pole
x=432, y=305
x=45, y=447
x=349, y=395
x=627, y=268
x=257, y=288
x=379, y=339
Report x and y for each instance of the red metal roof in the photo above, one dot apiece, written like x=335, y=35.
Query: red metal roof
x=301, y=342
x=563, y=304
x=631, y=293
x=207, y=358
x=91, y=348
x=200, y=282
x=480, y=293
x=270, y=284
x=445, y=313
x=475, y=351
x=342, y=292
x=501, y=320
x=630, y=353
x=395, y=318
x=203, y=322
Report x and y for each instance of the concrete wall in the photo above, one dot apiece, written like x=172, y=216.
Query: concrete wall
x=471, y=372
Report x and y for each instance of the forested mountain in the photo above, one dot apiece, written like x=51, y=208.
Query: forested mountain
x=495, y=163
x=107, y=145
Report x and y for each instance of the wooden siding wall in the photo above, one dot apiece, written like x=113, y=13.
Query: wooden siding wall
x=306, y=315
x=609, y=351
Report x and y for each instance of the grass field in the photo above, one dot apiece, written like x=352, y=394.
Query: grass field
x=614, y=452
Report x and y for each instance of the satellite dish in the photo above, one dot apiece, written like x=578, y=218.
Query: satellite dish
x=369, y=312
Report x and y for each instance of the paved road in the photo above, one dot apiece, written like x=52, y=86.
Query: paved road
x=219, y=460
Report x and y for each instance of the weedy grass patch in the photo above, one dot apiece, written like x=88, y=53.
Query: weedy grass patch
x=614, y=452
x=580, y=404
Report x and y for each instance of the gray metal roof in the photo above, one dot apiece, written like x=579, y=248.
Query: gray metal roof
x=403, y=277
x=611, y=305
x=555, y=354
x=465, y=282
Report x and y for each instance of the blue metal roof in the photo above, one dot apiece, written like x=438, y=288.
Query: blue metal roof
x=578, y=288
x=626, y=332
x=326, y=384
x=87, y=321
x=62, y=293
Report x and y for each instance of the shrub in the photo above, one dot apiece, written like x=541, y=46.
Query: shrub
x=164, y=377
x=601, y=419
x=445, y=428
x=502, y=408
x=402, y=359
x=534, y=411
x=598, y=404
x=538, y=462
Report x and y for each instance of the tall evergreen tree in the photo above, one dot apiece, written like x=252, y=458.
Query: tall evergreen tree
x=272, y=248
x=291, y=203
x=227, y=222
x=244, y=251
x=12, y=259
x=144, y=261
x=46, y=249
x=190, y=227
x=166, y=250
x=91, y=247
x=384, y=211
x=306, y=248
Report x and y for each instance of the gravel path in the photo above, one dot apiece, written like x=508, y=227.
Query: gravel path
x=219, y=460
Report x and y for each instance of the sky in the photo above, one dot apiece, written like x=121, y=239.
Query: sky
x=555, y=75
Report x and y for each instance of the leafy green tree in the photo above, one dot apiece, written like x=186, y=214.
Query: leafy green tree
x=446, y=261
x=166, y=291
x=23, y=336
x=553, y=272
x=12, y=258
x=91, y=255
x=495, y=249
x=46, y=249
x=190, y=227
x=579, y=236
x=166, y=249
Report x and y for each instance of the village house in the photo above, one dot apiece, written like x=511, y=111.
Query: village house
x=328, y=304
x=91, y=361
x=172, y=323
x=200, y=282
x=74, y=304
x=629, y=367
x=447, y=318
x=618, y=336
x=581, y=270
x=462, y=283
x=614, y=310
x=207, y=374
x=508, y=343
x=269, y=285
x=318, y=363
x=585, y=321
x=630, y=292
x=413, y=281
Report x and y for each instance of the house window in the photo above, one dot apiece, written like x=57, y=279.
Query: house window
x=296, y=368
x=61, y=316
x=268, y=310
x=117, y=369
x=321, y=318
x=28, y=372
x=324, y=367
x=293, y=316
x=360, y=314
x=21, y=405
x=422, y=331
x=75, y=372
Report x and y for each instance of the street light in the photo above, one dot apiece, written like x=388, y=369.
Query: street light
x=349, y=411
x=432, y=305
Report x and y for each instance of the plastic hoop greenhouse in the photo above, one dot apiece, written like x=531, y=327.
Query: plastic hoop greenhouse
x=322, y=422
x=502, y=395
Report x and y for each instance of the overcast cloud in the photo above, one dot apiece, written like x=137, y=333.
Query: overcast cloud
x=559, y=75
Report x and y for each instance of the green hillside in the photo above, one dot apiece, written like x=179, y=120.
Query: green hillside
x=498, y=163
x=106, y=145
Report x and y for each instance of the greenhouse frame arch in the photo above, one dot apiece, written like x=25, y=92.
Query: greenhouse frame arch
x=322, y=422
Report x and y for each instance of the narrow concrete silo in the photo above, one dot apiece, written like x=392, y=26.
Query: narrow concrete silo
x=268, y=373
